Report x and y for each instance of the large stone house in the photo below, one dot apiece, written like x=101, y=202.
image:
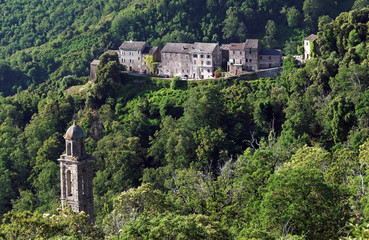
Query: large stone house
x=307, y=45
x=269, y=58
x=205, y=58
x=248, y=56
x=132, y=54
x=176, y=59
x=196, y=61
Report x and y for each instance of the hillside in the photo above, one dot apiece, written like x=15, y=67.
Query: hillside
x=44, y=41
x=210, y=159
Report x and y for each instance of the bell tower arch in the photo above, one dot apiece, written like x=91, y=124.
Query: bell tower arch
x=76, y=173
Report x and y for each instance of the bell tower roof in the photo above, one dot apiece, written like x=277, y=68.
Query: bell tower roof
x=74, y=132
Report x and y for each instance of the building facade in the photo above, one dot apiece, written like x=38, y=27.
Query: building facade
x=176, y=59
x=237, y=58
x=205, y=58
x=195, y=61
x=307, y=45
x=248, y=56
x=76, y=173
x=131, y=54
x=269, y=58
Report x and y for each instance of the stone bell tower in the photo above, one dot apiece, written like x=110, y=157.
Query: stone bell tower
x=76, y=173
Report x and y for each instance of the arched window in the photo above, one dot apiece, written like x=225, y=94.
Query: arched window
x=69, y=183
x=69, y=149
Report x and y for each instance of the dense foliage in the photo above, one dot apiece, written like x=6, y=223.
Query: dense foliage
x=212, y=159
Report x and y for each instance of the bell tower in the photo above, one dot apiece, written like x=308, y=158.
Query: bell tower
x=76, y=173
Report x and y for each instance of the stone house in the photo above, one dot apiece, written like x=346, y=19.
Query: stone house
x=252, y=54
x=196, y=61
x=237, y=58
x=269, y=58
x=248, y=56
x=243, y=56
x=205, y=59
x=307, y=45
x=132, y=54
x=176, y=59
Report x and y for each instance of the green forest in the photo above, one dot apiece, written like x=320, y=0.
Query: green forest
x=283, y=158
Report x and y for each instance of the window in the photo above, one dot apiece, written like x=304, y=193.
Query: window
x=69, y=183
x=250, y=60
x=130, y=60
x=270, y=57
x=202, y=56
x=138, y=52
x=194, y=61
x=233, y=52
x=207, y=56
x=250, y=51
x=186, y=56
x=69, y=149
x=202, y=62
x=208, y=70
x=195, y=55
x=123, y=60
x=261, y=57
x=307, y=43
x=208, y=63
x=246, y=60
x=186, y=64
x=182, y=71
x=139, y=58
x=130, y=53
x=123, y=52
x=176, y=70
x=240, y=61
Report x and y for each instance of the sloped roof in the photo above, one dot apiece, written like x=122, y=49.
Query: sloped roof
x=95, y=62
x=225, y=46
x=269, y=52
x=177, y=48
x=312, y=37
x=204, y=47
x=252, y=43
x=237, y=46
x=132, y=45
x=150, y=50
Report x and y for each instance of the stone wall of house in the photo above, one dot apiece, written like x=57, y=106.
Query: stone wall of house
x=252, y=55
x=176, y=64
x=133, y=60
x=269, y=61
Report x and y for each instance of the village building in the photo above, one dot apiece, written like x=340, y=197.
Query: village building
x=131, y=55
x=176, y=59
x=269, y=58
x=248, y=56
x=195, y=61
x=308, y=45
x=237, y=58
x=205, y=59
x=76, y=173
